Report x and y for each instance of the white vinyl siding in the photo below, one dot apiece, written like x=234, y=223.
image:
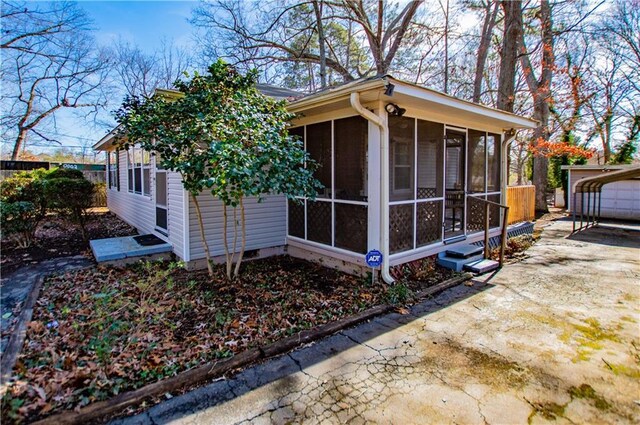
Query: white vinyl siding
x=266, y=224
x=175, y=206
x=139, y=211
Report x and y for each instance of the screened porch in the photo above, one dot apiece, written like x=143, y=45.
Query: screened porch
x=436, y=173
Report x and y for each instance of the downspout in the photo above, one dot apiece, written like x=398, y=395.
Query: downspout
x=511, y=135
x=384, y=178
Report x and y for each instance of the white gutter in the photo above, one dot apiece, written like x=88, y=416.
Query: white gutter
x=384, y=178
x=505, y=172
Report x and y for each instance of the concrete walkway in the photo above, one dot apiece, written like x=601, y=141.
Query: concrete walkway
x=15, y=288
x=553, y=339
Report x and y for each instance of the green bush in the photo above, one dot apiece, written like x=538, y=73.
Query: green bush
x=18, y=221
x=70, y=196
x=64, y=173
x=398, y=293
x=23, y=206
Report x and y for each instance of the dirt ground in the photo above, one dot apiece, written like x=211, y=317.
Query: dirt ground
x=551, y=339
x=57, y=237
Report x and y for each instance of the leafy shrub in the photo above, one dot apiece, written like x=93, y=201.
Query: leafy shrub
x=64, y=173
x=70, y=196
x=399, y=293
x=18, y=221
x=23, y=206
x=24, y=188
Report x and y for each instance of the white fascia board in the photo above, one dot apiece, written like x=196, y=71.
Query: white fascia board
x=517, y=122
x=329, y=96
x=104, y=144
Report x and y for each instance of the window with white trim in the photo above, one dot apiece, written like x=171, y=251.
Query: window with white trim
x=138, y=171
x=112, y=167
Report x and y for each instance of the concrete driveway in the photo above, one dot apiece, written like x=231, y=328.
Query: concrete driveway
x=554, y=338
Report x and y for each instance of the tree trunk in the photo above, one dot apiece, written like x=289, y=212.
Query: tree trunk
x=204, y=239
x=225, y=241
x=446, y=49
x=244, y=239
x=541, y=162
x=20, y=140
x=509, y=54
x=483, y=50
x=321, y=43
x=235, y=240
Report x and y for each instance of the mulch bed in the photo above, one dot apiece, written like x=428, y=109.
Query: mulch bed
x=57, y=237
x=102, y=331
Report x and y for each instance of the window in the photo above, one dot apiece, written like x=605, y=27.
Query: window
x=146, y=173
x=138, y=172
x=112, y=167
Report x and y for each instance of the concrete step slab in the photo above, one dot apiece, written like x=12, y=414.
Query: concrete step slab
x=455, y=263
x=112, y=249
x=464, y=251
x=482, y=266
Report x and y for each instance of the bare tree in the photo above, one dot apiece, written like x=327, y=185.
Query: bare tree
x=140, y=73
x=49, y=62
x=490, y=14
x=264, y=33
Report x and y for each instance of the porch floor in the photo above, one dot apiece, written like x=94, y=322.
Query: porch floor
x=112, y=249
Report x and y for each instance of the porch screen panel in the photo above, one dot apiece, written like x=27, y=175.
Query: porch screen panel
x=298, y=133
x=428, y=222
x=319, y=221
x=494, y=211
x=351, y=227
x=401, y=158
x=350, y=145
x=296, y=218
x=430, y=159
x=400, y=228
x=476, y=162
x=475, y=214
x=319, y=148
x=493, y=162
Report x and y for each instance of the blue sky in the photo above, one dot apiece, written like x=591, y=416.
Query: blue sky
x=144, y=23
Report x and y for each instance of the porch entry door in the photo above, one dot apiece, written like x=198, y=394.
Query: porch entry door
x=161, y=201
x=454, y=184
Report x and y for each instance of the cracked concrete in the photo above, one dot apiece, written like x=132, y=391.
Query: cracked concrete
x=553, y=338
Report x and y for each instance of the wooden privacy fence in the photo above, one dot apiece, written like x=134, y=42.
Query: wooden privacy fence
x=521, y=201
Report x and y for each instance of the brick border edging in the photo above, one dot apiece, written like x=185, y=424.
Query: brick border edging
x=101, y=409
x=19, y=334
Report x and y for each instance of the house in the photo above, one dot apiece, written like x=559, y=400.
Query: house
x=405, y=171
x=618, y=198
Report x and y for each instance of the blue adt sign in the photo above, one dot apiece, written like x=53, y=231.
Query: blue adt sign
x=373, y=258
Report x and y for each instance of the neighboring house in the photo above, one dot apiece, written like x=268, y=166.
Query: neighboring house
x=620, y=199
x=403, y=167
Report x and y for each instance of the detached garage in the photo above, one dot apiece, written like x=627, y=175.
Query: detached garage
x=619, y=199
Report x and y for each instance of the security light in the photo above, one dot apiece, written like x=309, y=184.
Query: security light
x=394, y=109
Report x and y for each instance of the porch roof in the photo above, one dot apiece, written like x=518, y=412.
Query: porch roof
x=391, y=90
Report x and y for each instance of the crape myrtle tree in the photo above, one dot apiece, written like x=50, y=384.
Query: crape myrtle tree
x=222, y=135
